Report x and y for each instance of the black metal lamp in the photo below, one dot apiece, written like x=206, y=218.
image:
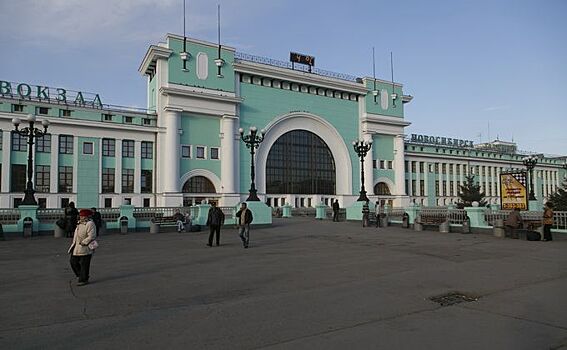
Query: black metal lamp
x=361, y=148
x=252, y=141
x=530, y=163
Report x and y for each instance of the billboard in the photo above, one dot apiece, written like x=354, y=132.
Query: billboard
x=513, y=191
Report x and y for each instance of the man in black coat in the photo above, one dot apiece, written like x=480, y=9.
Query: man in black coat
x=71, y=217
x=336, y=210
x=215, y=221
x=97, y=219
x=244, y=219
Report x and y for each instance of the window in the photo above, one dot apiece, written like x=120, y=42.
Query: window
x=421, y=164
x=108, y=147
x=42, y=110
x=65, y=144
x=422, y=187
x=406, y=166
x=65, y=113
x=199, y=184
x=147, y=150
x=108, y=180
x=374, y=164
x=128, y=148
x=42, y=203
x=186, y=151
x=382, y=166
x=17, y=202
x=200, y=152
x=214, y=153
x=127, y=180
x=444, y=189
x=88, y=148
x=390, y=164
x=128, y=120
x=43, y=144
x=64, y=202
x=382, y=188
x=437, y=168
x=147, y=121
x=18, y=108
x=413, y=187
x=19, y=143
x=413, y=166
x=437, y=188
x=107, y=117
x=108, y=202
x=146, y=183
x=65, y=179
x=18, y=178
x=443, y=168
x=42, y=177
x=146, y=202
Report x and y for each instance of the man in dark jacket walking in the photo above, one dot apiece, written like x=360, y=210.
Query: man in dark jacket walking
x=97, y=219
x=71, y=217
x=244, y=219
x=215, y=221
x=336, y=210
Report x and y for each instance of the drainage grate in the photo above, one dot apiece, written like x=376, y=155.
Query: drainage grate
x=453, y=298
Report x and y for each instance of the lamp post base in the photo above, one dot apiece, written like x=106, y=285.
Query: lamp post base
x=252, y=196
x=29, y=198
x=362, y=197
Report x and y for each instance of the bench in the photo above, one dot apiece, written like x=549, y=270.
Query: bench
x=439, y=220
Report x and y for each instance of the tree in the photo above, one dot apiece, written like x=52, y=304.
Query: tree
x=559, y=198
x=470, y=192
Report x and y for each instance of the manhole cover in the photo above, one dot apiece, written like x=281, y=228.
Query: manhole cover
x=453, y=298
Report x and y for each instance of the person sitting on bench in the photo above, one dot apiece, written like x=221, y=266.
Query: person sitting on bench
x=179, y=220
x=513, y=222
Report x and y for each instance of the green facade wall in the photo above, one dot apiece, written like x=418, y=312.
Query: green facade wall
x=88, y=174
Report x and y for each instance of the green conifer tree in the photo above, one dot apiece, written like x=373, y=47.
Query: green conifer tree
x=470, y=192
x=559, y=198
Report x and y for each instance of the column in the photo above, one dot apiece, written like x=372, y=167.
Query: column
x=137, y=169
x=493, y=181
x=462, y=174
x=497, y=179
x=546, y=183
x=170, y=153
x=410, y=177
x=52, y=201
x=6, y=164
x=368, y=171
x=229, y=155
x=399, y=164
x=455, y=180
x=76, y=151
x=426, y=179
x=417, y=178
x=486, y=179
x=118, y=168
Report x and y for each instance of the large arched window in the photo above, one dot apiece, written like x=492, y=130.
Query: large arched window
x=198, y=184
x=382, y=188
x=300, y=162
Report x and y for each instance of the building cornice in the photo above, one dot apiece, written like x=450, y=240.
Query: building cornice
x=384, y=119
x=371, y=80
x=186, y=91
x=148, y=65
x=257, y=69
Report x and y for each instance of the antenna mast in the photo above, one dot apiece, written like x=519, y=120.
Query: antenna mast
x=375, y=91
x=394, y=96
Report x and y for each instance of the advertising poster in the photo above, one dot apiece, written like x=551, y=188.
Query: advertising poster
x=513, y=192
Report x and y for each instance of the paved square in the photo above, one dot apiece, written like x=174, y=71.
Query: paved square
x=303, y=284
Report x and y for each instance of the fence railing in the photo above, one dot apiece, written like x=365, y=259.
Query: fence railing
x=50, y=215
x=9, y=216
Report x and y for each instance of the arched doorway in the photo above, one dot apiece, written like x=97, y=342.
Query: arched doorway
x=300, y=162
x=197, y=189
x=382, y=189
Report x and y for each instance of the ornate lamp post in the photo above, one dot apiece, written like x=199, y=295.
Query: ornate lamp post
x=361, y=148
x=31, y=133
x=530, y=163
x=252, y=141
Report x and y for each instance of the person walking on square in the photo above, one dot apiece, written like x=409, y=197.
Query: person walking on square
x=547, y=221
x=215, y=220
x=97, y=219
x=244, y=219
x=377, y=212
x=71, y=217
x=513, y=221
x=81, y=254
x=336, y=208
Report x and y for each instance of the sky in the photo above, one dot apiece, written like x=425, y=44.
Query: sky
x=478, y=70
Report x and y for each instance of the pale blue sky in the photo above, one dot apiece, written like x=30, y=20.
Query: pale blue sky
x=468, y=64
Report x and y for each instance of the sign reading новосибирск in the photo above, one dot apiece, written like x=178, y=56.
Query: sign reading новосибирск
x=40, y=93
x=443, y=141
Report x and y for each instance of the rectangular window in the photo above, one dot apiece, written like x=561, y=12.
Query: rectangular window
x=450, y=169
x=19, y=143
x=146, y=181
x=421, y=165
x=437, y=168
x=444, y=188
x=42, y=110
x=390, y=164
x=43, y=144
x=458, y=169
x=186, y=151
x=382, y=165
x=146, y=202
x=108, y=147
x=108, y=180
x=64, y=112
x=107, y=117
x=128, y=120
x=413, y=167
x=108, y=202
x=42, y=177
x=214, y=153
x=128, y=148
x=147, y=150
x=17, y=202
x=422, y=187
x=65, y=179
x=147, y=121
x=407, y=186
x=18, y=177
x=437, y=188
x=200, y=152
x=406, y=166
x=88, y=148
x=127, y=180
x=17, y=108
x=413, y=187
x=65, y=144
x=42, y=203
x=64, y=202
x=443, y=168
x=451, y=188
x=374, y=164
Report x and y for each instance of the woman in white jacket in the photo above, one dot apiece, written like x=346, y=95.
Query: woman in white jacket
x=80, y=252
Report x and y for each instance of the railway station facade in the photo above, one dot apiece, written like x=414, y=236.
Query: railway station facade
x=185, y=147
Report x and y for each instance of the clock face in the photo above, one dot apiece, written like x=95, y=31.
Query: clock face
x=384, y=100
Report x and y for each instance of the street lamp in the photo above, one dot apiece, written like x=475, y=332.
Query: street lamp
x=361, y=148
x=31, y=133
x=252, y=141
x=530, y=163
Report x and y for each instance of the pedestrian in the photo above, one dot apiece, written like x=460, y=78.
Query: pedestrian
x=97, y=219
x=336, y=208
x=80, y=249
x=71, y=218
x=547, y=221
x=513, y=222
x=377, y=212
x=179, y=220
x=244, y=219
x=188, y=222
x=215, y=220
